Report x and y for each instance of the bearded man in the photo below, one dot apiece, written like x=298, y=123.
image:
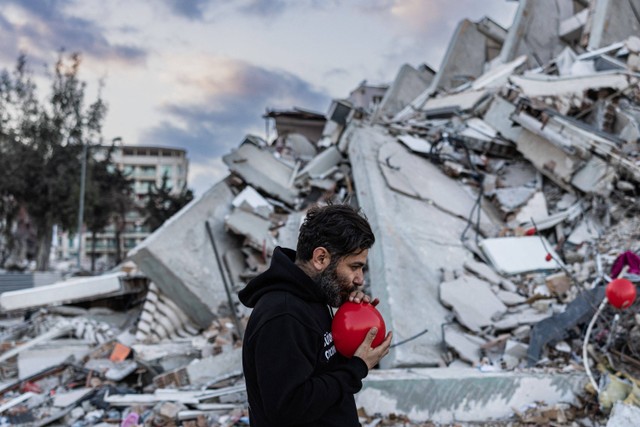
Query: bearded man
x=294, y=375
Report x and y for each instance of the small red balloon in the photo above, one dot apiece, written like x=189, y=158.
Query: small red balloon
x=351, y=323
x=621, y=293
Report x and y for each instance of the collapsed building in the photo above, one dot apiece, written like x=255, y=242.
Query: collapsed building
x=502, y=190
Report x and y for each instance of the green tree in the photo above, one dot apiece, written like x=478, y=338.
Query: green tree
x=162, y=203
x=18, y=105
x=44, y=141
x=107, y=194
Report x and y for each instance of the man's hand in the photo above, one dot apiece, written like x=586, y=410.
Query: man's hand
x=359, y=296
x=372, y=356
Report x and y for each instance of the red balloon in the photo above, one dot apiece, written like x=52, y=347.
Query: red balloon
x=621, y=293
x=351, y=323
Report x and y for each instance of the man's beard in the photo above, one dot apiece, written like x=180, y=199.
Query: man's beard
x=335, y=289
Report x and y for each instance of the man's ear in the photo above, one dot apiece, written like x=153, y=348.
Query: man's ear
x=320, y=259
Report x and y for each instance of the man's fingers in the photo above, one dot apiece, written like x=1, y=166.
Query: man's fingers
x=371, y=335
x=375, y=302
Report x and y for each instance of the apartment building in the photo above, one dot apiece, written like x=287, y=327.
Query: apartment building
x=145, y=165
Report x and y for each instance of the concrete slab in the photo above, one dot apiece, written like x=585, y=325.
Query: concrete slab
x=535, y=85
x=255, y=229
x=322, y=164
x=596, y=177
x=463, y=101
x=72, y=290
x=472, y=300
x=62, y=400
x=49, y=354
x=179, y=258
x=252, y=201
x=469, y=49
x=466, y=345
x=497, y=116
x=612, y=21
x=262, y=170
x=623, y=415
x=403, y=90
x=417, y=177
x=406, y=261
x=535, y=208
x=211, y=368
x=513, y=255
x=453, y=395
x=498, y=75
x=535, y=31
x=510, y=298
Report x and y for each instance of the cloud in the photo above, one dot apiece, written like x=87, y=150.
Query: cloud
x=228, y=107
x=41, y=28
x=201, y=10
x=190, y=9
x=265, y=8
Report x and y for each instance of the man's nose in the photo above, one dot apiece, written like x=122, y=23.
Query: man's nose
x=358, y=280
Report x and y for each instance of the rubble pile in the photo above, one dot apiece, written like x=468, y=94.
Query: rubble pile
x=503, y=194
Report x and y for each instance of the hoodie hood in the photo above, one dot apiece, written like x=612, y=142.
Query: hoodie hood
x=282, y=275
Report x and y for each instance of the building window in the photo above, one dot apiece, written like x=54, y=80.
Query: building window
x=147, y=171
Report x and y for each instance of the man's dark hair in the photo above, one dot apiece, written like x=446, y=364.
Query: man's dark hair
x=341, y=229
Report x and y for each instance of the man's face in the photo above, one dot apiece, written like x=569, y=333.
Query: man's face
x=342, y=277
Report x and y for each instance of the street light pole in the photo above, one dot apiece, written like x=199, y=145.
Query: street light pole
x=83, y=174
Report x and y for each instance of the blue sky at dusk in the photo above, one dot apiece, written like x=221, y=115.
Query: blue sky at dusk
x=199, y=74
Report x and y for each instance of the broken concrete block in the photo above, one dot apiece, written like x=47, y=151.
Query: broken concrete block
x=526, y=316
x=179, y=259
x=535, y=208
x=535, y=31
x=466, y=345
x=255, y=229
x=471, y=46
x=403, y=90
x=211, y=368
x=72, y=290
x=571, y=27
x=321, y=165
x=595, y=177
x=612, y=21
x=513, y=255
x=62, y=400
x=261, y=169
x=623, y=415
x=510, y=298
x=49, y=354
x=252, y=201
x=472, y=300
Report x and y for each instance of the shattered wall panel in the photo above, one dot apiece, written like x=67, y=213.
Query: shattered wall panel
x=465, y=57
x=535, y=31
x=612, y=21
x=263, y=171
x=407, y=84
x=179, y=258
x=414, y=240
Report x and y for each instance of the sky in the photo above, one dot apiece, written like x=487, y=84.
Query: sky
x=199, y=74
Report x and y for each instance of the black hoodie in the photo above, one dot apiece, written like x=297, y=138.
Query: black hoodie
x=293, y=373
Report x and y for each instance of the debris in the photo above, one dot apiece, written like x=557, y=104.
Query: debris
x=501, y=187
